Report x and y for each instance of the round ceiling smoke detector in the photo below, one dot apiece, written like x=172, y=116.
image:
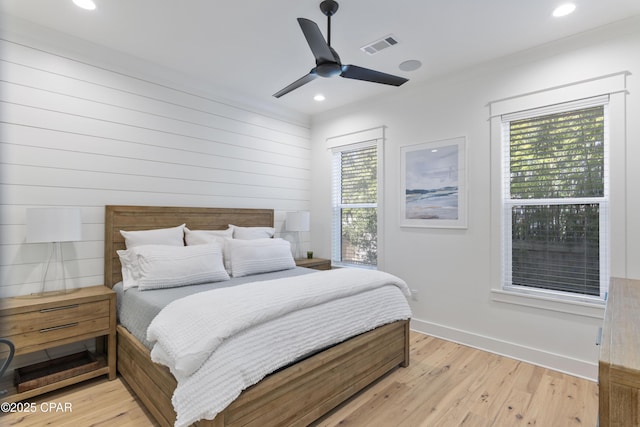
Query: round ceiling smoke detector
x=410, y=65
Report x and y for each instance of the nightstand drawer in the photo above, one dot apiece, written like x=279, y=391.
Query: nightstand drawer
x=315, y=263
x=52, y=317
x=66, y=331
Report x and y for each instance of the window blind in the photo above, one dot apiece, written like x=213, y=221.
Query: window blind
x=354, y=237
x=555, y=193
x=558, y=156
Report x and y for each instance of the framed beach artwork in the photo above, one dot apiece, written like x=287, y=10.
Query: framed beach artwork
x=434, y=184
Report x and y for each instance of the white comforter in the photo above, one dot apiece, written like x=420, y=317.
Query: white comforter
x=218, y=343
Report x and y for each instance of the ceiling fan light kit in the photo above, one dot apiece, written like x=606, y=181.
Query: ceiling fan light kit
x=328, y=62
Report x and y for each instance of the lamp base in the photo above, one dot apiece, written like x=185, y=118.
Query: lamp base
x=54, y=281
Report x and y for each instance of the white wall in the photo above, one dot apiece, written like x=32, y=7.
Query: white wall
x=453, y=269
x=82, y=126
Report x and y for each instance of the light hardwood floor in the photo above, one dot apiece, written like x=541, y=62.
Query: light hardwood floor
x=447, y=384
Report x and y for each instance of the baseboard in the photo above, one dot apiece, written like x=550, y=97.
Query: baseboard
x=557, y=362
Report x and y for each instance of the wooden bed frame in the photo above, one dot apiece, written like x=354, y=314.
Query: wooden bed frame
x=295, y=395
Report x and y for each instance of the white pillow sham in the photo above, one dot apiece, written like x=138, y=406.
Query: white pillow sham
x=249, y=233
x=258, y=256
x=201, y=237
x=161, y=266
x=173, y=236
x=129, y=264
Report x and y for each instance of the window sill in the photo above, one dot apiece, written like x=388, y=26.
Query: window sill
x=587, y=309
x=347, y=265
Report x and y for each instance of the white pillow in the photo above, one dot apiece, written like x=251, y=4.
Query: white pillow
x=129, y=263
x=201, y=237
x=160, y=266
x=248, y=233
x=173, y=236
x=259, y=256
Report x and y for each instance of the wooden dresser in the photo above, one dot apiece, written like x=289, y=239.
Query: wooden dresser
x=619, y=366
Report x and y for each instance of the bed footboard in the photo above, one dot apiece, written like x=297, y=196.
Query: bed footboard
x=296, y=395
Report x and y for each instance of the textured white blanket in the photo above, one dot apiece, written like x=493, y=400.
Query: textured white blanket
x=262, y=326
x=188, y=330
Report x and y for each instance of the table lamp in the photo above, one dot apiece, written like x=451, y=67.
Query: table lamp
x=53, y=226
x=298, y=221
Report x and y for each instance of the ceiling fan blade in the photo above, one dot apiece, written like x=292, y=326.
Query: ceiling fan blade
x=295, y=85
x=316, y=41
x=359, y=73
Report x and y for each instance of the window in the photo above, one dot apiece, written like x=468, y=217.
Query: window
x=555, y=199
x=355, y=205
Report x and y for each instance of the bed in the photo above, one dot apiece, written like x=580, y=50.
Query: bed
x=296, y=394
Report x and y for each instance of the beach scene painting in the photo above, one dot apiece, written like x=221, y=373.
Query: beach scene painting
x=433, y=184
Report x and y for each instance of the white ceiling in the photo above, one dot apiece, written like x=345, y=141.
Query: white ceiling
x=256, y=47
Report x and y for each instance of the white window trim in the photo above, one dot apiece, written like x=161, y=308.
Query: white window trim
x=613, y=85
x=364, y=138
x=581, y=308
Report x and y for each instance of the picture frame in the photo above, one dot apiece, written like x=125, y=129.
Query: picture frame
x=434, y=184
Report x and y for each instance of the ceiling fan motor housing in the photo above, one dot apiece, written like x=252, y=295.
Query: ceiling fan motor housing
x=329, y=69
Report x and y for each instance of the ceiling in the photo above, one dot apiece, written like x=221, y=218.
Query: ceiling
x=256, y=47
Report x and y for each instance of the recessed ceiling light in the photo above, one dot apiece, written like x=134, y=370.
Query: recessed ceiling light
x=410, y=65
x=319, y=97
x=564, y=10
x=85, y=4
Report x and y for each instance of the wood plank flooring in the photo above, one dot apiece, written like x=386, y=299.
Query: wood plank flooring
x=447, y=384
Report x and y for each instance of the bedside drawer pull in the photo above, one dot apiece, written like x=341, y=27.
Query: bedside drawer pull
x=55, y=328
x=64, y=307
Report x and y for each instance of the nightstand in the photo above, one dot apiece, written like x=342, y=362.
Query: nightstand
x=315, y=263
x=47, y=321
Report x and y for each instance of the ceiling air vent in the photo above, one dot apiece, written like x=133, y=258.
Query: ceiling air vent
x=378, y=45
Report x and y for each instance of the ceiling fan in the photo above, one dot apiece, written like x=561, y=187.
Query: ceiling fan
x=327, y=60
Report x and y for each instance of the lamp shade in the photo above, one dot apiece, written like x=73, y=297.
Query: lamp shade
x=53, y=225
x=298, y=221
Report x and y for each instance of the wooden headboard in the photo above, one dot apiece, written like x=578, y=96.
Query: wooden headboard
x=149, y=217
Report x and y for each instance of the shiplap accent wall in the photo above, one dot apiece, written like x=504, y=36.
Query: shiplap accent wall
x=76, y=133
